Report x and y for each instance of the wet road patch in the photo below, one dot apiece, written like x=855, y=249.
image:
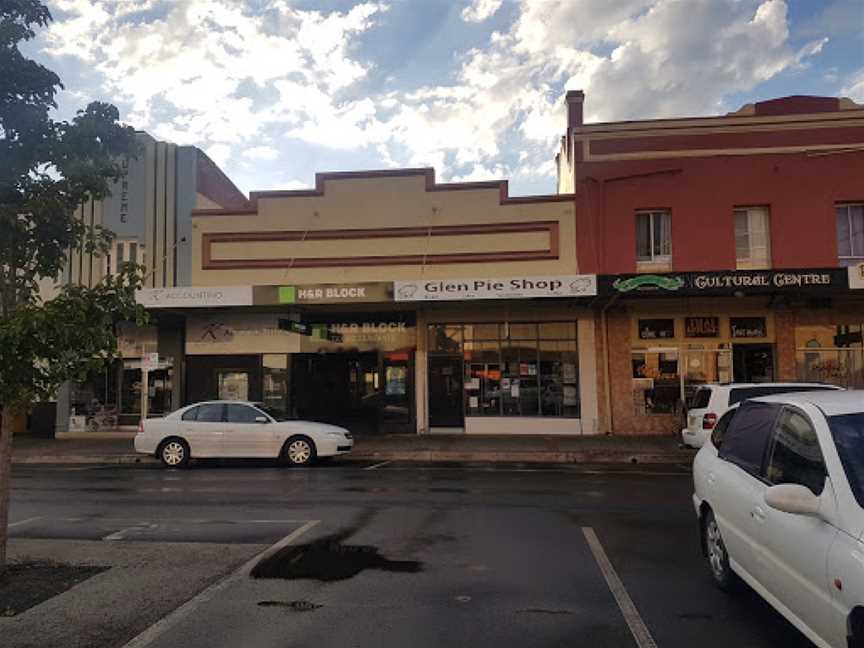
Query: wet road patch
x=329, y=559
x=27, y=584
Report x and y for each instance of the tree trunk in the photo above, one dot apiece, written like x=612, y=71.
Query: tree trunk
x=5, y=469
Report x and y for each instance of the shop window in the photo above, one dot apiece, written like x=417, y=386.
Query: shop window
x=832, y=354
x=654, y=237
x=531, y=370
x=233, y=385
x=445, y=338
x=752, y=240
x=656, y=382
x=850, y=233
x=275, y=384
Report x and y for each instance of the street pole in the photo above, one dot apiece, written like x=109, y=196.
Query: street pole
x=145, y=389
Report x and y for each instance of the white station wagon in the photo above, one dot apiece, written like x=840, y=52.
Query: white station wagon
x=710, y=402
x=237, y=429
x=779, y=493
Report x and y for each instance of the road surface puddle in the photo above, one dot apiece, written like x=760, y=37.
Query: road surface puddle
x=329, y=559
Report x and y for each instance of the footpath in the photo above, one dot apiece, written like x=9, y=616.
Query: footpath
x=421, y=448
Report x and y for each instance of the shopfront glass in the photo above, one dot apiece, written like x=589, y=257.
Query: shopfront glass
x=514, y=369
x=275, y=379
x=665, y=378
x=831, y=354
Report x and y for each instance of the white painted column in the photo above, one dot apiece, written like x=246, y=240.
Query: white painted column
x=421, y=376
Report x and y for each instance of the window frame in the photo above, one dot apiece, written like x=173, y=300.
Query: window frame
x=848, y=207
x=760, y=468
x=655, y=256
x=751, y=262
x=769, y=455
x=258, y=413
x=221, y=416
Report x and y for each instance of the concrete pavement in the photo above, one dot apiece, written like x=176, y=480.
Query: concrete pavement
x=458, y=448
x=501, y=553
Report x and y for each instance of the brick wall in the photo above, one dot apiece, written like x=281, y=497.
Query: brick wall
x=625, y=420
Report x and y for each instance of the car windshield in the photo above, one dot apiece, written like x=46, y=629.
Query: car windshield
x=848, y=433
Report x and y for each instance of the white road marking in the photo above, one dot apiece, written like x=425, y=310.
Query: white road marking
x=176, y=617
x=121, y=534
x=637, y=626
x=378, y=465
x=23, y=522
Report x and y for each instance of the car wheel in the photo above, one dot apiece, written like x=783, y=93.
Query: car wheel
x=718, y=557
x=298, y=451
x=174, y=453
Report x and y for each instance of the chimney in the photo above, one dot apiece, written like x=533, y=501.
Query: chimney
x=575, y=99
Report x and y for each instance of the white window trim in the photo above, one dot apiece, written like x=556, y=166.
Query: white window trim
x=657, y=261
x=749, y=262
x=848, y=207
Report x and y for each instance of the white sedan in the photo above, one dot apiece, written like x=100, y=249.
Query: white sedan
x=237, y=429
x=779, y=493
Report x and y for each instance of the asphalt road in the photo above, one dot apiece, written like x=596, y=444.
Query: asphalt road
x=412, y=555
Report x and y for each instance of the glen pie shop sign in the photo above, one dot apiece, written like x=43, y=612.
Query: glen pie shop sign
x=496, y=288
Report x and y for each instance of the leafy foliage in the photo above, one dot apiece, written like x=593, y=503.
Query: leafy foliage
x=48, y=169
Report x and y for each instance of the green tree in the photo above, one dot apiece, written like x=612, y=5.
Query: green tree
x=47, y=169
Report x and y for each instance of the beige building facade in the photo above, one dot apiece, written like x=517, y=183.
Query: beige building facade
x=387, y=302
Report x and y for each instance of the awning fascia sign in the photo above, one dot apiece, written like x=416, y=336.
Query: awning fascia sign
x=195, y=297
x=495, y=288
x=731, y=282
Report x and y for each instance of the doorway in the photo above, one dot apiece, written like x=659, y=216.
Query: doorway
x=446, y=406
x=367, y=393
x=753, y=363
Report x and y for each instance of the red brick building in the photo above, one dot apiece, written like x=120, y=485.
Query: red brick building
x=723, y=242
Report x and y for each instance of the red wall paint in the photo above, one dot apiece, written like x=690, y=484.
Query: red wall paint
x=800, y=191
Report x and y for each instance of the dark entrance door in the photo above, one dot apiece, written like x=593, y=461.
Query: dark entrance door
x=338, y=388
x=446, y=407
x=753, y=363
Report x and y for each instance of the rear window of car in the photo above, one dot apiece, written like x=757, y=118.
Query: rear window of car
x=701, y=398
x=191, y=414
x=747, y=436
x=743, y=393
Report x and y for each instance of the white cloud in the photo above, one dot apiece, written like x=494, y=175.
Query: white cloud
x=292, y=185
x=480, y=10
x=261, y=153
x=219, y=153
x=214, y=74
x=854, y=88
x=184, y=74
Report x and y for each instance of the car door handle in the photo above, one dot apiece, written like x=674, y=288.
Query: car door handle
x=758, y=513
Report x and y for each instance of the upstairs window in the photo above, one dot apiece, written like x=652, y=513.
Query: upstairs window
x=850, y=233
x=752, y=247
x=124, y=251
x=654, y=237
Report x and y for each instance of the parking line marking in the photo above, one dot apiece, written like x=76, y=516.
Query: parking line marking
x=378, y=465
x=23, y=522
x=121, y=534
x=637, y=626
x=176, y=617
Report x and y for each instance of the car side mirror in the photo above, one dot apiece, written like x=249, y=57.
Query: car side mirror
x=792, y=498
x=262, y=419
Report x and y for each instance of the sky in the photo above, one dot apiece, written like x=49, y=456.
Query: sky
x=277, y=90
